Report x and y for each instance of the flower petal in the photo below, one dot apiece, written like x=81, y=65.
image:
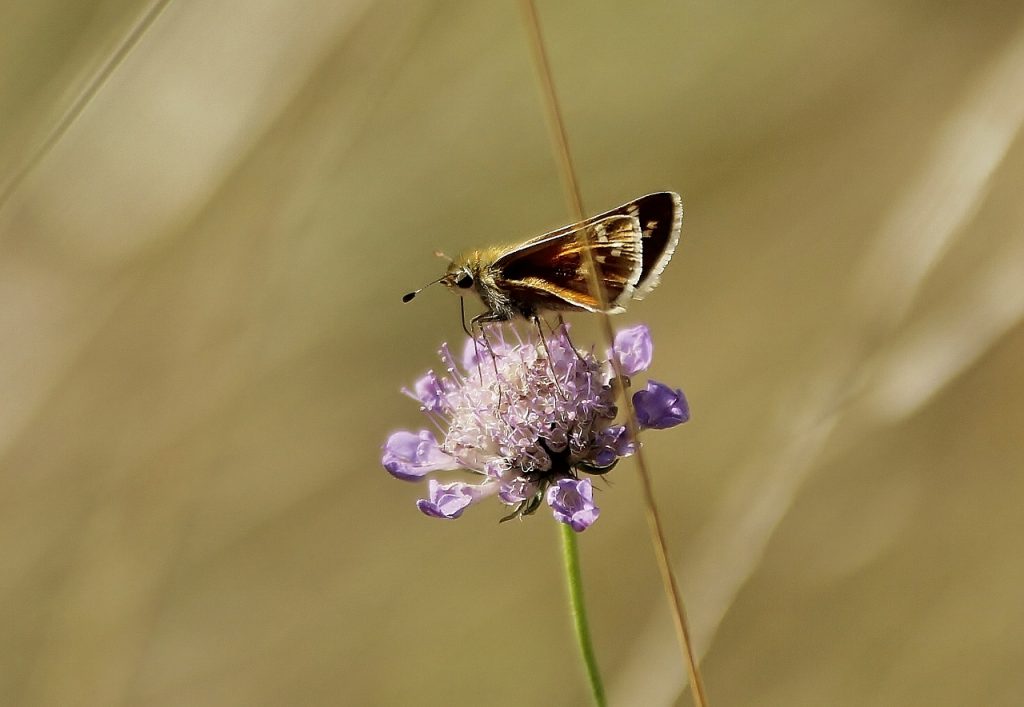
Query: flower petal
x=618, y=438
x=610, y=444
x=634, y=349
x=572, y=502
x=411, y=455
x=660, y=407
x=473, y=352
x=430, y=392
x=446, y=500
x=516, y=490
x=450, y=500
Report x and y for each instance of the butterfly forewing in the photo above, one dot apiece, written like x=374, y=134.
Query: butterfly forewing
x=552, y=269
x=660, y=216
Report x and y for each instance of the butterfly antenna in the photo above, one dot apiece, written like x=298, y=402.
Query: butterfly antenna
x=408, y=297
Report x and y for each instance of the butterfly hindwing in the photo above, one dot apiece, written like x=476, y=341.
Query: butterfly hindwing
x=661, y=217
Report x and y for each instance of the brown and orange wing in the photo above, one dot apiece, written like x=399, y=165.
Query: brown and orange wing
x=551, y=271
x=660, y=216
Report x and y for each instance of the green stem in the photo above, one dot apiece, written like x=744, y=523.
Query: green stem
x=574, y=580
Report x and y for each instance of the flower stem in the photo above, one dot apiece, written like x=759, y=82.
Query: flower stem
x=574, y=580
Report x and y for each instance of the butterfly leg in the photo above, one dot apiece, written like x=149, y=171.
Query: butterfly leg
x=476, y=344
x=544, y=344
x=565, y=332
x=477, y=323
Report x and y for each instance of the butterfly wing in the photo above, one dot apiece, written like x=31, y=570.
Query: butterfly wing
x=551, y=271
x=660, y=216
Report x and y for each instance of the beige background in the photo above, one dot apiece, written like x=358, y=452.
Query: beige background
x=201, y=345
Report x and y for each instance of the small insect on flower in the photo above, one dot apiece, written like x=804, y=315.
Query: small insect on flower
x=631, y=246
x=530, y=424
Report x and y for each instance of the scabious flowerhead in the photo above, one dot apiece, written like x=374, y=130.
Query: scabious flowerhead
x=527, y=416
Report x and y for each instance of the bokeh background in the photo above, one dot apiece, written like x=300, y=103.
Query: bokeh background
x=201, y=345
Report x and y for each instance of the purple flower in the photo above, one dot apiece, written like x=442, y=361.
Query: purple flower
x=660, y=407
x=409, y=455
x=526, y=417
x=450, y=500
x=516, y=490
x=429, y=391
x=572, y=501
x=634, y=349
x=612, y=443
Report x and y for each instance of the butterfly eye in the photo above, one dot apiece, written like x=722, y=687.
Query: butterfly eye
x=465, y=281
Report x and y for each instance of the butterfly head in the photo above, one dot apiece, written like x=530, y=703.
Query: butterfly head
x=459, y=277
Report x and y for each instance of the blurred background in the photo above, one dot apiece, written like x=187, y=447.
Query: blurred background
x=209, y=212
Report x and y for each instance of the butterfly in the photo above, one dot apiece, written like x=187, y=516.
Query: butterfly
x=631, y=244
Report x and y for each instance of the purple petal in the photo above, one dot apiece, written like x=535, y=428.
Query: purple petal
x=411, y=455
x=496, y=469
x=447, y=500
x=429, y=391
x=660, y=407
x=516, y=490
x=617, y=437
x=604, y=457
x=610, y=444
x=634, y=349
x=473, y=353
x=572, y=502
